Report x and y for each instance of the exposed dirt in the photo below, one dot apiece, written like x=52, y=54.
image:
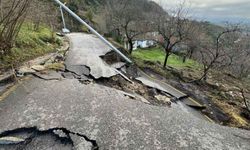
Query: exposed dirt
x=149, y=94
x=130, y=71
x=220, y=94
x=210, y=110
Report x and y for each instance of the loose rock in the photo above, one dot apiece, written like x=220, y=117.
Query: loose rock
x=164, y=99
x=38, y=67
x=25, y=70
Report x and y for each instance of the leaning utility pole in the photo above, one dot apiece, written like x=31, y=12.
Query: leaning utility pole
x=93, y=30
x=65, y=30
x=64, y=25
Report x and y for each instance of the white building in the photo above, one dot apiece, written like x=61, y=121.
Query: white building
x=145, y=40
x=143, y=44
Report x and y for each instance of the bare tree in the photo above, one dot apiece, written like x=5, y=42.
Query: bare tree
x=215, y=53
x=126, y=18
x=174, y=29
x=245, y=99
x=13, y=15
x=40, y=14
x=193, y=41
x=239, y=57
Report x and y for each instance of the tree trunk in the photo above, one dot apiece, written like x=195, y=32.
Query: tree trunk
x=37, y=25
x=184, y=58
x=244, y=99
x=166, y=59
x=204, y=76
x=130, y=43
x=206, y=69
x=191, y=54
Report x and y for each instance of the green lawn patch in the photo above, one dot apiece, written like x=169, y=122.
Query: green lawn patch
x=158, y=55
x=29, y=44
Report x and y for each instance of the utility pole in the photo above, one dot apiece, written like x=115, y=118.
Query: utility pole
x=64, y=25
x=92, y=30
x=65, y=30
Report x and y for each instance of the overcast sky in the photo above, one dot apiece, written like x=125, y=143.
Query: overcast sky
x=215, y=10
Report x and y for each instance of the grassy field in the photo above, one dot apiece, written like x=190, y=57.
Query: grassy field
x=158, y=55
x=30, y=44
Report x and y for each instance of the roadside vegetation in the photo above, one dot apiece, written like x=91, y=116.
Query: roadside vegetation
x=156, y=55
x=30, y=44
x=25, y=31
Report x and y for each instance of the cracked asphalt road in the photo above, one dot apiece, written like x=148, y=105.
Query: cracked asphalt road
x=85, y=50
x=109, y=118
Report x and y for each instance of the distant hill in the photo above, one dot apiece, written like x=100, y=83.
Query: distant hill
x=83, y=6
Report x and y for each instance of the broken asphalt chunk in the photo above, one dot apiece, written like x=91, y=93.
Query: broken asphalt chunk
x=86, y=50
x=51, y=75
x=164, y=99
x=24, y=71
x=78, y=69
x=38, y=67
x=161, y=86
x=10, y=140
x=118, y=65
x=68, y=75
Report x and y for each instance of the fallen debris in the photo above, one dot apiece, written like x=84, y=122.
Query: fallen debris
x=197, y=107
x=49, y=61
x=136, y=96
x=24, y=71
x=38, y=68
x=82, y=78
x=124, y=76
x=129, y=95
x=134, y=90
x=164, y=99
x=55, y=66
x=10, y=140
x=78, y=69
x=118, y=65
x=161, y=86
x=192, y=103
x=69, y=75
x=51, y=75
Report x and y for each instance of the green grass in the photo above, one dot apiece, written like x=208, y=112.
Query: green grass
x=158, y=55
x=30, y=44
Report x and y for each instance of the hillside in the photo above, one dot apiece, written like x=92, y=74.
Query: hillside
x=30, y=44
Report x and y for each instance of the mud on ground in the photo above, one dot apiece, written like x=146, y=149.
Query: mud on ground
x=122, y=84
x=224, y=105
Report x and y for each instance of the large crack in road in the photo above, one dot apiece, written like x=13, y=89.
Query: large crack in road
x=28, y=137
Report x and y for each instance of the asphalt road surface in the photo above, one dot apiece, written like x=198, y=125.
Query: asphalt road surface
x=66, y=114
x=85, y=50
